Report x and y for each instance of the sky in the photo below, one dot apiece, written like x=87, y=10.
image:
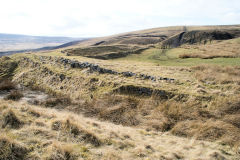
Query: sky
x=94, y=18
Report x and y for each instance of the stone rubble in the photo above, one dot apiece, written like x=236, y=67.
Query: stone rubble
x=96, y=68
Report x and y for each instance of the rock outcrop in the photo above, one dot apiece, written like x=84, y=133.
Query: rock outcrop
x=201, y=37
x=97, y=68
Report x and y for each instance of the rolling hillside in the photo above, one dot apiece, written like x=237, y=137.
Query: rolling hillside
x=166, y=93
x=138, y=41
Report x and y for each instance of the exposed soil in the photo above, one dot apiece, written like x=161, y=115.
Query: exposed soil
x=29, y=96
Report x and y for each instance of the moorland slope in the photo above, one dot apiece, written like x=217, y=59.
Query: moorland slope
x=179, y=102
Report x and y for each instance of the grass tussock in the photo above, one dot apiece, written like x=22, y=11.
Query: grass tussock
x=218, y=122
x=10, y=150
x=14, y=95
x=7, y=85
x=210, y=130
x=11, y=120
x=69, y=127
x=233, y=119
x=217, y=74
x=115, y=108
x=34, y=113
x=7, y=67
x=68, y=136
x=168, y=113
x=61, y=152
x=57, y=101
x=190, y=118
x=229, y=106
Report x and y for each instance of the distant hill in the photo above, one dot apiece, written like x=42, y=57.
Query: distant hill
x=122, y=45
x=150, y=36
x=13, y=42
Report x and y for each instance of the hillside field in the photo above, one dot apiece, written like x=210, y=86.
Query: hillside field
x=164, y=93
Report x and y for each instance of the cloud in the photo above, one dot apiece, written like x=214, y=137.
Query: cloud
x=106, y=17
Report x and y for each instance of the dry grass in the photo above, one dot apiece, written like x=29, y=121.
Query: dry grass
x=64, y=135
x=219, y=121
x=115, y=108
x=7, y=67
x=69, y=127
x=11, y=120
x=203, y=56
x=155, y=114
x=60, y=151
x=14, y=95
x=10, y=150
x=210, y=130
x=222, y=49
x=7, y=85
x=217, y=74
x=57, y=101
x=233, y=119
x=121, y=126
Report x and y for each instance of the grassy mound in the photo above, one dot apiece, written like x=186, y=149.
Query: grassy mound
x=69, y=127
x=14, y=95
x=10, y=150
x=7, y=85
x=7, y=67
x=11, y=120
x=61, y=152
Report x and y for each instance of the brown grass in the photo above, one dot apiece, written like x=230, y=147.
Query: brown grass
x=204, y=56
x=217, y=74
x=60, y=151
x=184, y=56
x=210, y=130
x=233, y=119
x=14, y=95
x=10, y=150
x=218, y=122
x=70, y=127
x=57, y=101
x=11, y=120
x=222, y=49
x=180, y=118
x=115, y=108
x=7, y=85
x=65, y=135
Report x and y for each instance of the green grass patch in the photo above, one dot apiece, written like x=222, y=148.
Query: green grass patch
x=171, y=58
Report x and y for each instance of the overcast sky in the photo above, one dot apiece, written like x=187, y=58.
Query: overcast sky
x=88, y=18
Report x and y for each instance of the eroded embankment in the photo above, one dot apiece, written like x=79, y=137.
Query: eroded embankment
x=105, y=52
x=131, y=105
x=78, y=79
x=199, y=37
